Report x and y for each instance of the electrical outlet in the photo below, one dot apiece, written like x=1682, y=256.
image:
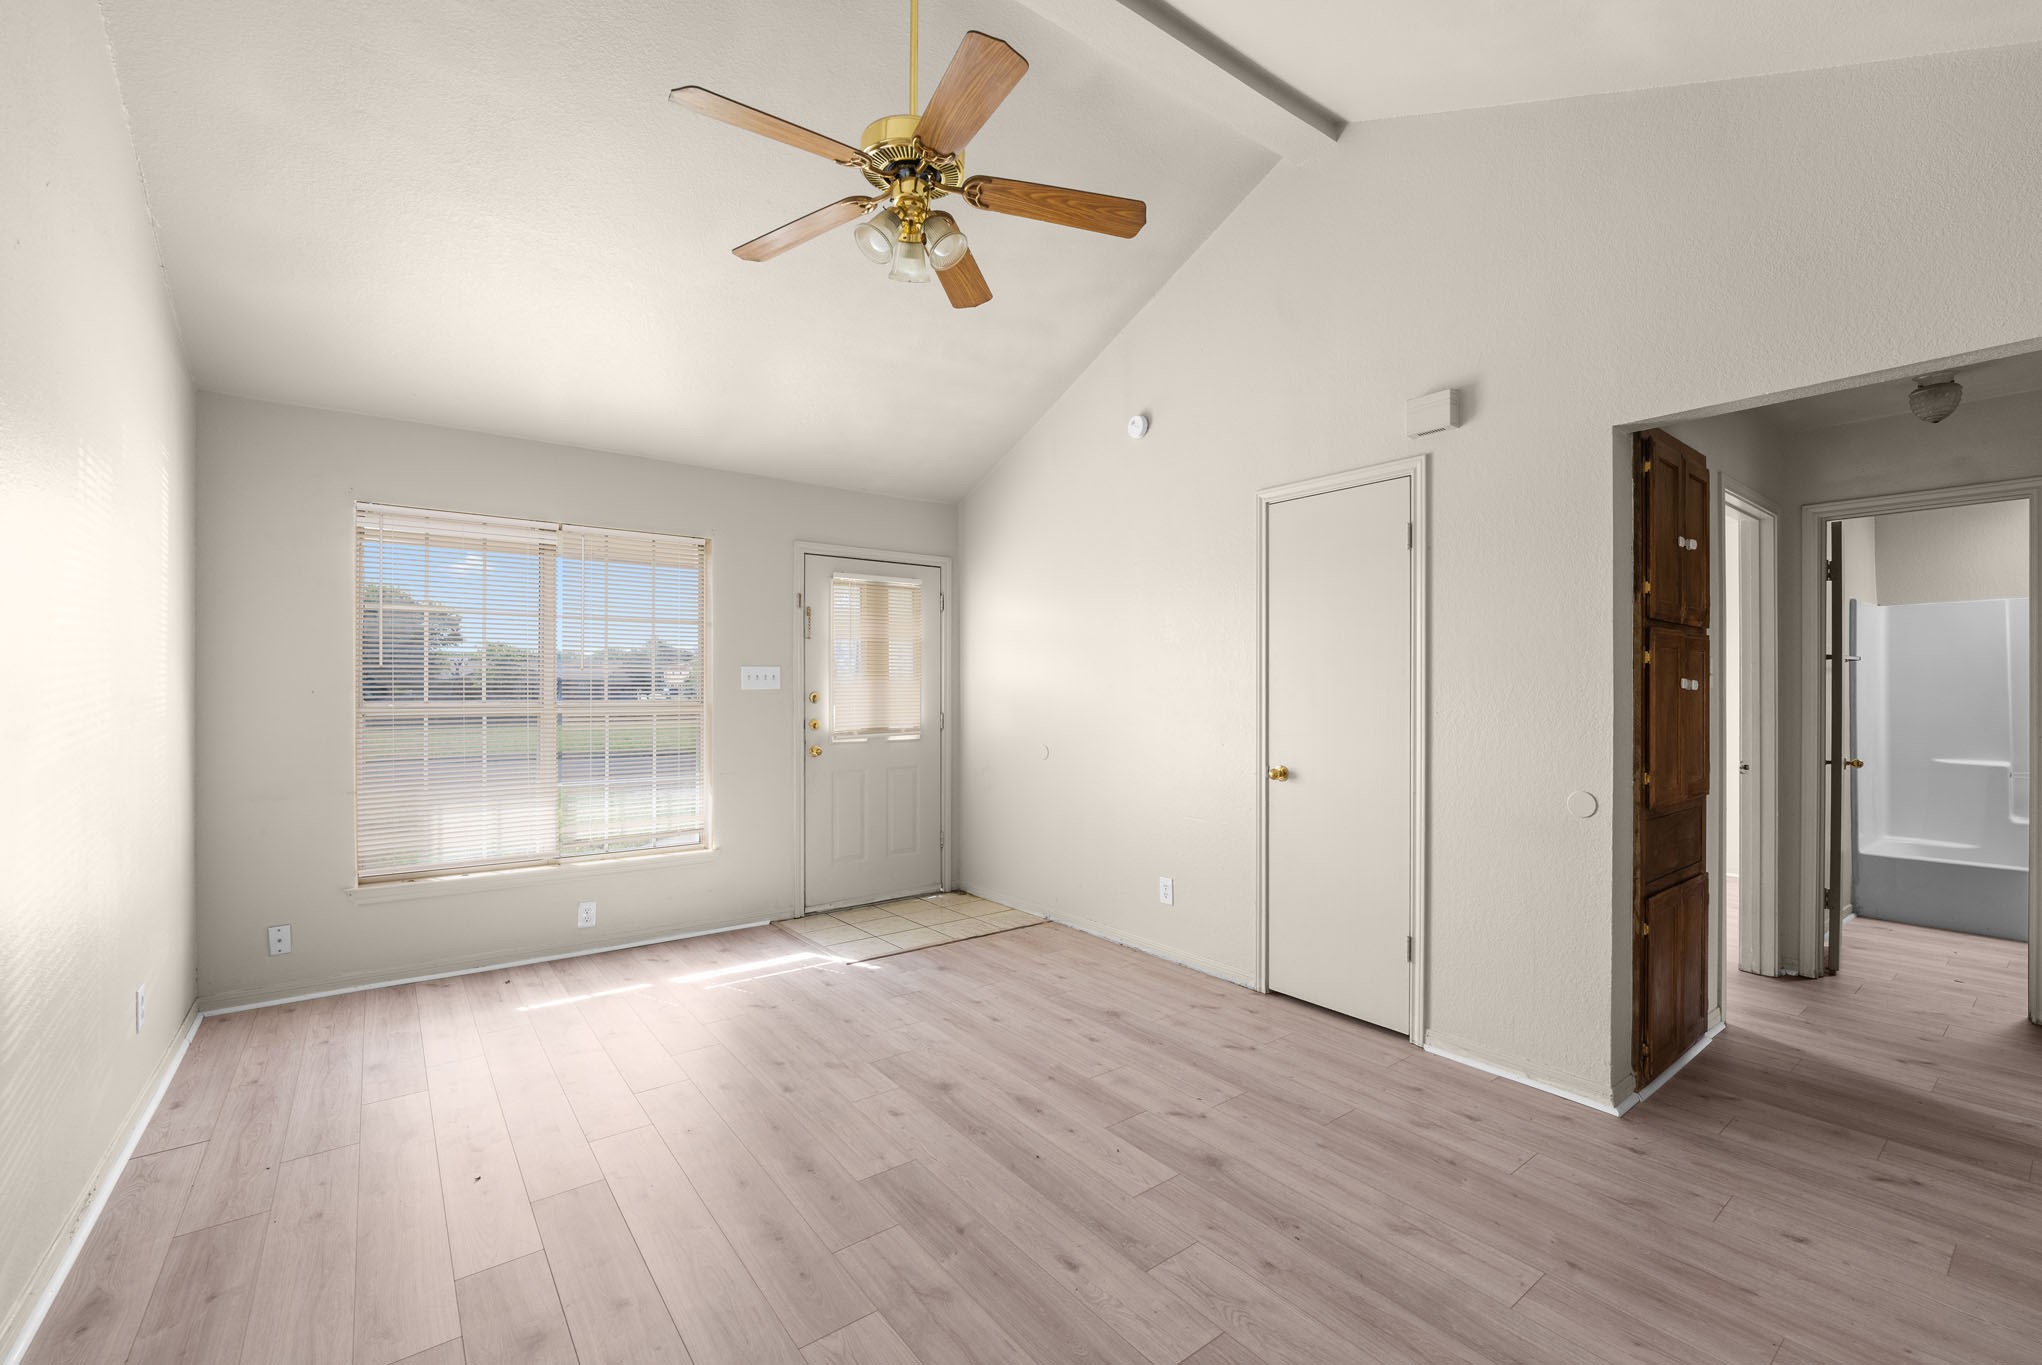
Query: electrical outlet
x=585, y=915
x=141, y=1006
x=1166, y=890
x=279, y=939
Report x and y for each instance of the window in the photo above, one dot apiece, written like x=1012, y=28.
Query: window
x=875, y=657
x=527, y=693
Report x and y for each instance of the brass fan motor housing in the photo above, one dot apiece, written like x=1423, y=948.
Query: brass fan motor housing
x=891, y=141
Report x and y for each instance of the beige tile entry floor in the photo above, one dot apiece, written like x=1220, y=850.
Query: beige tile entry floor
x=902, y=926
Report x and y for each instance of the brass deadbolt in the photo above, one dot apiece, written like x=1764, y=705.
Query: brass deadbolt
x=815, y=725
x=1280, y=773
x=815, y=751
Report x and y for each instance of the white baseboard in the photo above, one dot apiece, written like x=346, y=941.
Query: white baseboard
x=208, y=1007
x=1638, y=1097
x=1126, y=940
x=57, y=1266
x=1455, y=1051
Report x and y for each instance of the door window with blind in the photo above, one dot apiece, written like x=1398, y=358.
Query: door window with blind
x=527, y=693
x=875, y=658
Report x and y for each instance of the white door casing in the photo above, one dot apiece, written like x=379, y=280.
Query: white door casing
x=1340, y=642
x=872, y=753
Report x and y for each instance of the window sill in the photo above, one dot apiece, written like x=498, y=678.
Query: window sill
x=510, y=878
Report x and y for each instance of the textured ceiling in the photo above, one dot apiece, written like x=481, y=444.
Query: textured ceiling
x=1982, y=380
x=1371, y=59
x=489, y=216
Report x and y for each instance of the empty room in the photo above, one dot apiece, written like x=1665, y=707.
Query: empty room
x=920, y=682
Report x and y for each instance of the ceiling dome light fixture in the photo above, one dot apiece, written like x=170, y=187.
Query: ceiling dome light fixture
x=1935, y=397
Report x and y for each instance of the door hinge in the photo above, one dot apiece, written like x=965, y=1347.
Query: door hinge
x=1410, y=535
x=800, y=599
x=1408, y=949
x=808, y=623
x=1646, y=657
x=1829, y=571
x=1644, y=779
x=1644, y=1050
x=1829, y=898
x=1646, y=466
x=942, y=721
x=942, y=602
x=1644, y=929
x=1647, y=586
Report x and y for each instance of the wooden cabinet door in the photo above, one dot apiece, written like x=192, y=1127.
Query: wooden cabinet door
x=1662, y=533
x=1694, y=542
x=1676, y=698
x=1676, y=976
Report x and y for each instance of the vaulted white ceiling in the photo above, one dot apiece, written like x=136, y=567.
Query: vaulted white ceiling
x=489, y=216
x=1372, y=59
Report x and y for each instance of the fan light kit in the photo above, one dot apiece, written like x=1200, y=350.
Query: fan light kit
x=915, y=159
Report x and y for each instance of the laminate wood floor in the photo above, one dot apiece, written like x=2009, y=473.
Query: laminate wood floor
x=1037, y=1146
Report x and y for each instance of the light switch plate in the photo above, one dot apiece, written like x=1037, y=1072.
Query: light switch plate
x=759, y=678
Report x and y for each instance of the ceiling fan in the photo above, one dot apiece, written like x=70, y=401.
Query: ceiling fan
x=912, y=160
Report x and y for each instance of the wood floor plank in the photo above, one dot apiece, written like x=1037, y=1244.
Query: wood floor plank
x=613, y=1309
x=97, y=1312
x=553, y=1152
x=446, y=1026
x=723, y=1317
x=795, y=1156
x=602, y=1101
x=1252, y=1312
x=326, y=1110
x=489, y=1214
x=446, y=1353
x=393, y=1045
x=191, y=1103
x=404, y=1278
x=303, y=1304
x=868, y=1341
x=937, y=1317
x=239, y=1175
x=1029, y=1305
x=511, y=1315
x=788, y=1260
x=199, y=1309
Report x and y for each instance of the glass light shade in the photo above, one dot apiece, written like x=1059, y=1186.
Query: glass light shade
x=946, y=242
x=875, y=236
x=910, y=264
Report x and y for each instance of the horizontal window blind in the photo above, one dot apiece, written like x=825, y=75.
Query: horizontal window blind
x=875, y=657
x=527, y=693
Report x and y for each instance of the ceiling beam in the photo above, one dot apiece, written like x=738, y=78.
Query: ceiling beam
x=1164, y=47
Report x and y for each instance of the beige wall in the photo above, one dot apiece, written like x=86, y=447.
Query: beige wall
x=95, y=692
x=1576, y=266
x=1954, y=554
x=277, y=487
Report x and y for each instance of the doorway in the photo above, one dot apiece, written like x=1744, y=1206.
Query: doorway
x=1748, y=846
x=873, y=725
x=1343, y=704
x=1926, y=727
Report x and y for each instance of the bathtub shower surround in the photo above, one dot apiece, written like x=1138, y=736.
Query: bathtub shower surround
x=1943, y=798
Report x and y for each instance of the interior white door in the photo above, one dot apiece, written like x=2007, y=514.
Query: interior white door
x=1341, y=749
x=872, y=736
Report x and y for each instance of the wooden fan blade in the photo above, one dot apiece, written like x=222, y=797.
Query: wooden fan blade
x=790, y=235
x=984, y=71
x=1051, y=204
x=964, y=284
x=766, y=125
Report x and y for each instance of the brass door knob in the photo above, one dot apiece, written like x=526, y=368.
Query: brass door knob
x=815, y=696
x=815, y=725
x=1280, y=773
x=1854, y=763
x=815, y=751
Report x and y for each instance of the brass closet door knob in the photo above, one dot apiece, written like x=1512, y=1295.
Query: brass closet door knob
x=815, y=751
x=1280, y=773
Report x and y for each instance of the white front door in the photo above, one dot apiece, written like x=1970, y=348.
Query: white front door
x=872, y=736
x=1340, y=746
